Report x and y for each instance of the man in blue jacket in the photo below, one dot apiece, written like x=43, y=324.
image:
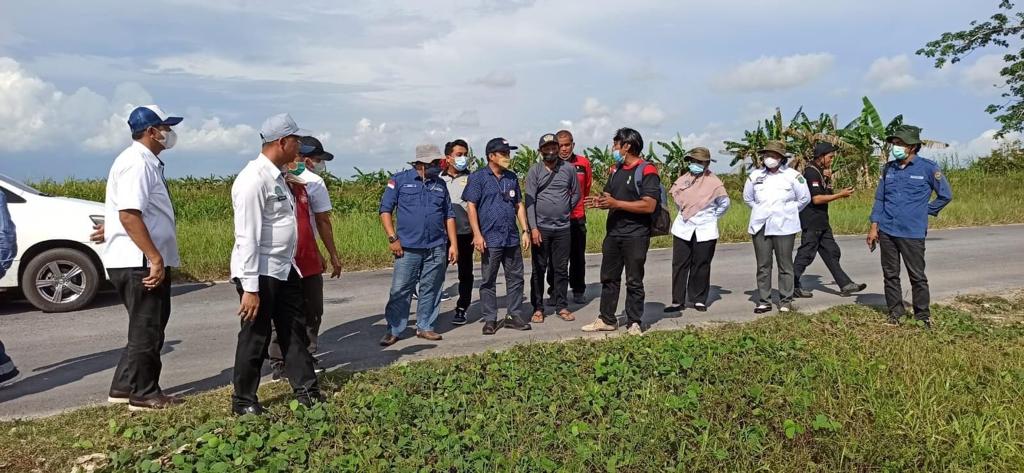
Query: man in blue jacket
x=899, y=219
x=8, y=250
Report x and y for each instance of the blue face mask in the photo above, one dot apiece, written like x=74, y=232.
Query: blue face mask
x=617, y=156
x=696, y=168
x=898, y=153
x=461, y=163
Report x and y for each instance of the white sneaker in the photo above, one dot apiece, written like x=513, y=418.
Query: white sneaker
x=599, y=326
x=635, y=329
x=785, y=308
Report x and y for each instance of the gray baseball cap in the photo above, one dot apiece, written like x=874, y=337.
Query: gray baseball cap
x=427, y=153
x=280, y=126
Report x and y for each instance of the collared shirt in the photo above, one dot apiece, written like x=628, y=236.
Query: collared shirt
x=775, y=200
x=902, y=199
x=550, y=208
x=496, y=199
x=704, y=223
x=8, y=237
x=423, y=209
x=265, y=230
x=584, y=173
x=136, y=182
x=456, y=186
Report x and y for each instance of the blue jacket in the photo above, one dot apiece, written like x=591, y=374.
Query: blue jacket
x=8, y=238
x=423, y=209
x=903, y=198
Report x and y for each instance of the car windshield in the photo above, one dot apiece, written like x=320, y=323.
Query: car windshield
x=21, y=187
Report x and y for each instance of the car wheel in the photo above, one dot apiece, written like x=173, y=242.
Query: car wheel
x=60, y=280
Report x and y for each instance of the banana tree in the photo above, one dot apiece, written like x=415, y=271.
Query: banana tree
x=673, y=163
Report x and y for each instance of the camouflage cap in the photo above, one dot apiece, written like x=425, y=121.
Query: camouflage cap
x=775, y=146
x=908, y=134
x=699, y=153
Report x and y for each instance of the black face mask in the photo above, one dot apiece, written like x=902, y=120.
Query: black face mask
x=550, y=157
x=431, y=171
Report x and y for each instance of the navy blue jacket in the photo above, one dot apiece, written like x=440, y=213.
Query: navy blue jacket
x=424, y=209
x=903, y=198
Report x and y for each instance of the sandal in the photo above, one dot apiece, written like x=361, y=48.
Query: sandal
x=565, y=315
x=538, y=317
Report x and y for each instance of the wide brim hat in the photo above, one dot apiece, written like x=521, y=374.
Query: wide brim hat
x=700, y=154
x=776, y=147
x=908, y=134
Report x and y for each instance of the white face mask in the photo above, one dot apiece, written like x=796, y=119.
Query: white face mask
x=168, y=139
x=771, y=163
x=319, y=167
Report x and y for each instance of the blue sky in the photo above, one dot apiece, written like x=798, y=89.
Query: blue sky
x=373, y=79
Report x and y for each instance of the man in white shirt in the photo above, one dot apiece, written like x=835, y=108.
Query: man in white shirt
x=263, y=270
x=307, y=168
x=142, y=247
x=776, y=194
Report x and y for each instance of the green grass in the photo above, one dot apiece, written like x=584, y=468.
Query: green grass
x=203, y=209
x=836, y=391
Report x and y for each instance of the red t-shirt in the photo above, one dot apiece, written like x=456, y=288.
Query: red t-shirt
x=307, y=255
x=585, y=175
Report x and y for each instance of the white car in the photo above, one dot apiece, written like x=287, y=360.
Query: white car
x=57, y=268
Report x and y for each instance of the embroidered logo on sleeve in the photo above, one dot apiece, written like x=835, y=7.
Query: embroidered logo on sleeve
x=391, y=183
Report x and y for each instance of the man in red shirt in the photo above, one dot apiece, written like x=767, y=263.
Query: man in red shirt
x=578, y=218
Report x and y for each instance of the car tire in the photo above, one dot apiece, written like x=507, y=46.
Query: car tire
x=78, y=280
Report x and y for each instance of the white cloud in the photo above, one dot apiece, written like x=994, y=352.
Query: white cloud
x=983, y=76
x=372, y=138
x=497, y=79
x=38, y=116
x=978, y=147
x=775, y=73
x=891, y=74
x=643, y=114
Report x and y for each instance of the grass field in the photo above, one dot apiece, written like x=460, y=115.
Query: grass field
x=835, y=391
x=203, y=208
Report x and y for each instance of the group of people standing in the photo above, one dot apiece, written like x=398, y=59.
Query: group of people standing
x=445, y=212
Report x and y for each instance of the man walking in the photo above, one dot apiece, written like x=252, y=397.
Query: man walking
x=8, y=250
x=495, y=205
x=899, y=220
x=142, y=249
x=817, y=232
x=577, y=220
x=264, y=271
x=455, y=177
x=423, y=244
x=552, y=191
x=631, y=197
x=313, y=217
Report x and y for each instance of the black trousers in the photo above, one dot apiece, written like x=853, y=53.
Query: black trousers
x=313, y=304
x=691, y=269
x=819, y=241
x=138, y=370
x=577, y=258
x=911, y=251
x=465, y=263
x=629, y=253
x=551, y=256
x=280, y=305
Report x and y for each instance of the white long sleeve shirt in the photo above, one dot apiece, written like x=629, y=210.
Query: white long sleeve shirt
x=775, y=200
x=265, y=230
x=704, y=223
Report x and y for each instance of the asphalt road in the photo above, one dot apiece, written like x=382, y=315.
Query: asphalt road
x=67, y=360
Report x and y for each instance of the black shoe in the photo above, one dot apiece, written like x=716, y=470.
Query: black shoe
x=700, y=307
x=762, y=308
x=675, y=308
x=579, y=298
x=926, y=322
x=892, y=320
x=490, y=327
x=852, y=288
x=802, y=294
x=277, y=373
x=515, y=323
x=388, y=340
x=460, y=317
x=10, y=375
x=255, y=409
x=311, y=400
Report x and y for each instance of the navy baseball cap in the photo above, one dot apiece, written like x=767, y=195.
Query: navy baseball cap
x=318, y=149
x=499, y=145
x=149, y=115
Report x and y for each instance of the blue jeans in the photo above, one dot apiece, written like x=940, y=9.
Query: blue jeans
x=423, y=266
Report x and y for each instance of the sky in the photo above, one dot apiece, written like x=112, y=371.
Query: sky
x=374, y=79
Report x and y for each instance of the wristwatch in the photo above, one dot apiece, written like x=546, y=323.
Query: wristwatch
x=392, y=238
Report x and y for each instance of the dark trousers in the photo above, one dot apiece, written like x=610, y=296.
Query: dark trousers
x=629, y=253
x=911, y=251
x=577, y=258
x=138, y=370
x=465, y=263
x=551, y=256
x=280, y=306
x=822, y=242
x=511, y=258
x=313, y=304
x=691, y=269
